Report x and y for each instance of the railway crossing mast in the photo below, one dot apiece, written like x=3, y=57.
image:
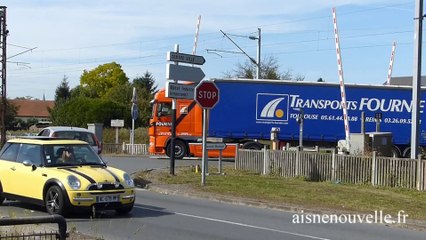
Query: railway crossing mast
x=3, y=35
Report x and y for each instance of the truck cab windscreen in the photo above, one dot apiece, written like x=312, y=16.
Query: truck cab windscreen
x=164, y=109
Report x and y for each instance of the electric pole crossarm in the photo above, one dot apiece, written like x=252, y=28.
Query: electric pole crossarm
x=28, y=50
x=222, y=51
x=251, y=59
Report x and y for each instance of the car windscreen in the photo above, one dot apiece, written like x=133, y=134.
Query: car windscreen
x=70, y=155
x=84, y=136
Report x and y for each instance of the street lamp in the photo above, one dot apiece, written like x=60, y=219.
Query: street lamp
x=258, y=38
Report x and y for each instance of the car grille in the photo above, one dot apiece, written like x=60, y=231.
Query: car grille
x=104, y=186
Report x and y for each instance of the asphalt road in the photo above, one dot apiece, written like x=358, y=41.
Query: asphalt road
x=159, y=216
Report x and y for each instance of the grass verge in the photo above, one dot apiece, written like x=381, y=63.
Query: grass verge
x=297, y=192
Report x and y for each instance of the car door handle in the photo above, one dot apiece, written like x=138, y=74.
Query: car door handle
x=13, y=168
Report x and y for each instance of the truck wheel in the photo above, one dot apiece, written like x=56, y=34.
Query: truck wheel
x=395, y=152
x=407, y=152
x=54, y=201
x=180, y=149
x=252, y=146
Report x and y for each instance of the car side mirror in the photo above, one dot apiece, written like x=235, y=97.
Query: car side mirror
x=28, y=163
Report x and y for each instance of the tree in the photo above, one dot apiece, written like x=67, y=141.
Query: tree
x=121, y=94
x=63, y=93
x=82, y=110
x=147, y=82
x=269, y=69
x=102, y=79
x=11, y=113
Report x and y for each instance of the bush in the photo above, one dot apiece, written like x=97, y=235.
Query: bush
x=141, y=135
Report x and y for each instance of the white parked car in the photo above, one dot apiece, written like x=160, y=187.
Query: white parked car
x=73, y=133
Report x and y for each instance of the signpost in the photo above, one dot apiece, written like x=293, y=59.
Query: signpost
x=215, y=145
x=176, y=90
x=117, y=123
x=184, y=73
x=135, y=113
x=177, y=72
x=207, y=96
x=185, y=58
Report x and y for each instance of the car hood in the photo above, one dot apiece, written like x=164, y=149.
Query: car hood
x=94, y=174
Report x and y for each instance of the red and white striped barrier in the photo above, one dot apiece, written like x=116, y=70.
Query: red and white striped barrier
x=391, y=63
x=342, y=83
x=197, y=30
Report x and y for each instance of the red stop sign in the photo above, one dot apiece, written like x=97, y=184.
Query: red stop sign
x=206, y=94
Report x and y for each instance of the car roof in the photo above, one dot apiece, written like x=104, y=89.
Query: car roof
x=46, y=140
x=66, y=128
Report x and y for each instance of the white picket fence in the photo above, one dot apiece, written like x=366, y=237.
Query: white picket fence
x=124, y=148
x=315, y=166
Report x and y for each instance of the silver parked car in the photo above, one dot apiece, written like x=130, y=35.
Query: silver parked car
x=73, y=133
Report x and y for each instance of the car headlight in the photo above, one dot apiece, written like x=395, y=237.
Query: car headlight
x=73, y=182
x=128, y=180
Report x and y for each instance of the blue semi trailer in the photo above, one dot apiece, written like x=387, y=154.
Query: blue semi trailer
x=249, y=109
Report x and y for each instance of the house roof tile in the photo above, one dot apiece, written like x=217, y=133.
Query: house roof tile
x=32, y=108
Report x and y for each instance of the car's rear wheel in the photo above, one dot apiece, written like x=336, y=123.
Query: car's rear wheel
x=1, y=195
x=124, y=210
x=54, y=201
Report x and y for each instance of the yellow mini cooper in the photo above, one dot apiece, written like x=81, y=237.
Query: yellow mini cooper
x=62, y=174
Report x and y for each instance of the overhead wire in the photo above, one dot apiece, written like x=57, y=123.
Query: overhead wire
x=215, y=38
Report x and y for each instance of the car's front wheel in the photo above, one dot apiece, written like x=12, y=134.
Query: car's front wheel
x=54, y=201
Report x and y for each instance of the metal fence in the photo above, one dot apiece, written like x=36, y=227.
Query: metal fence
x=14, y=235
x=315, y=166
x=124, y=148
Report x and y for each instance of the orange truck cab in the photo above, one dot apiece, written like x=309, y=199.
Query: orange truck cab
x=188, y=128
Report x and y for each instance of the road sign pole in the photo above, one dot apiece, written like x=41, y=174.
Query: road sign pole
x=220, y=162
x=204, y=156
x=132, y=140
x=172, y=141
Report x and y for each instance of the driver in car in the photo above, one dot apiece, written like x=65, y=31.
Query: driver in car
x=66, y=156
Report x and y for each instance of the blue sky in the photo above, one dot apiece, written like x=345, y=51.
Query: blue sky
x=72, y=36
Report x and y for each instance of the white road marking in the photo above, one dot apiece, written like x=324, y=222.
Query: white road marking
x=236, y=223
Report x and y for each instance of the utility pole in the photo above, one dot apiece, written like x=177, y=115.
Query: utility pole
x=3, y=35
x=258, y=51
x=259, y=44
x=418, y=28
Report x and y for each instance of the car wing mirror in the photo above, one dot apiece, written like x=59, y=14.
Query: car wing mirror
x=28, y=163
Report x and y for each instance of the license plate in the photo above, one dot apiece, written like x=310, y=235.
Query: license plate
x=107, y=198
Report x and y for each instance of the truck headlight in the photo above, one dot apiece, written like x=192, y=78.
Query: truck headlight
x=73, y=182
x=128, y=180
